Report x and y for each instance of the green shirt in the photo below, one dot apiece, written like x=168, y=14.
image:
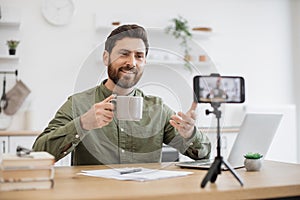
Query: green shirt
x=119, y=142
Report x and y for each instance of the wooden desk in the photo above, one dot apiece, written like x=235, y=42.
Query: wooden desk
x=274, y=180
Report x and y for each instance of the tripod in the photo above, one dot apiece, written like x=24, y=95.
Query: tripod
x=215, y=168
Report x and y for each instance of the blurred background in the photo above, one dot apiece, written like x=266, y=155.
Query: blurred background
x=257, y=39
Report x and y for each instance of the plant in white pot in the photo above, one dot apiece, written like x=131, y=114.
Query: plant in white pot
x=12, y=46
x=253, y=161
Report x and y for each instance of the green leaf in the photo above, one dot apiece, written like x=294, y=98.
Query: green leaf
x=12, y=44
x=253, y=155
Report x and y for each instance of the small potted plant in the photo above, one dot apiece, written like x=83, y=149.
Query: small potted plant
x=180, y=30
x=253, y=161
x=12, y=46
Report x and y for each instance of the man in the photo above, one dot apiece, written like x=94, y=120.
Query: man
x=85, y=125
x=217, y=93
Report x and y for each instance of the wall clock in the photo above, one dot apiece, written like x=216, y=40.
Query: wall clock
x=58, y=12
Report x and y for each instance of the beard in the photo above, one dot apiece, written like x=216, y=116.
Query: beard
x=124, y=80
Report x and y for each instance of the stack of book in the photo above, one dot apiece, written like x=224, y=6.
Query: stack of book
x=31, y=171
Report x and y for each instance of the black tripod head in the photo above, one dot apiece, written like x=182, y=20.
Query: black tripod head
x=215, y=106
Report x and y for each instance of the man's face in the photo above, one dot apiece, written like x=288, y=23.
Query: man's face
x=126, y=62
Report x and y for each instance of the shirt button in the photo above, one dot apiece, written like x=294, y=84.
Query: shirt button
x=77, y=136
x=65, y=153
x=122, y=150
x=191, y=144
x=122, y=129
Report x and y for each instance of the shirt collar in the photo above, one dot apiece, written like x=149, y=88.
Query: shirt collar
x=106, y=92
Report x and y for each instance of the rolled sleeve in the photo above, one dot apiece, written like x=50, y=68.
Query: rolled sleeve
x=198, y=146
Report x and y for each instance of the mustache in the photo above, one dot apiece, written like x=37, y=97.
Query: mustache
x=128, y=68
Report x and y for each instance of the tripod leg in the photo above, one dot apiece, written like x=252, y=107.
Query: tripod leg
x=233, y=172
x=208, y=177
x=213, y=172
x=214, y=178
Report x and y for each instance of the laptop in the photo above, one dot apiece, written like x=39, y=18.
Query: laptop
x=256, y=134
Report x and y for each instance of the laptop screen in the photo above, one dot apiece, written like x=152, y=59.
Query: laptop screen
x=256, y=134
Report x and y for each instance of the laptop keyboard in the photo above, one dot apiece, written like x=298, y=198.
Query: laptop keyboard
x=199, y=162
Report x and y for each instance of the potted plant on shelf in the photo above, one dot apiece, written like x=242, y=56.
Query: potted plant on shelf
x=12, y=46
x=180, y=30
x=253, y=161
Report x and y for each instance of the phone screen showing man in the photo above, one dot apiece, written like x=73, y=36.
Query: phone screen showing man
x=220, y=89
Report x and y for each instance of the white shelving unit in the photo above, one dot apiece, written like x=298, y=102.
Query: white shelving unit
x=9, y=29
x=10, y=23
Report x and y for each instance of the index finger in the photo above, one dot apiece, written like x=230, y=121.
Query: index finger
x=108, y=99
x=193, y=106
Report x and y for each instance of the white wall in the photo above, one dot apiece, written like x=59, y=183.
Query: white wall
x=295, y=5
x=252, y=39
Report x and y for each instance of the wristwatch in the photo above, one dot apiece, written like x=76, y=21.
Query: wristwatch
x=58, y=12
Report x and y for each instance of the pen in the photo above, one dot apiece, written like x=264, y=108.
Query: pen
x=130, y=171
x=22, y=151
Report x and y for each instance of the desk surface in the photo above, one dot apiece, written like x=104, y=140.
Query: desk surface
x=274, y=180
x=206, y=130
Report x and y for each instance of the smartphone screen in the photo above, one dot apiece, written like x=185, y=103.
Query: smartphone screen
x=219, y=89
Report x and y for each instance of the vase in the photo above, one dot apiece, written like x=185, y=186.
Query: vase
x=187, y=58
x=253, y=164
x=12, y=51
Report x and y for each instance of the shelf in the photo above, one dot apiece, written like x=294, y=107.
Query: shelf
x=175, y=62
x=165, y=62
x=196, y=34
x=10, y=24
x=8, y=57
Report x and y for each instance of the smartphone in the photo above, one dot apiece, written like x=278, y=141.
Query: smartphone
x=219, y=89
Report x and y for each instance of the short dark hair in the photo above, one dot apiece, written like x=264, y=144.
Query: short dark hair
x=127, y=30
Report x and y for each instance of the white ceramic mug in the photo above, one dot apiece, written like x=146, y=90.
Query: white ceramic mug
x=128, y=108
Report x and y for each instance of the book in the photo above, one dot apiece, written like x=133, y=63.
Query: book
x=26, y=185
x=34, y=174
x=32, y=160
x=32, y=170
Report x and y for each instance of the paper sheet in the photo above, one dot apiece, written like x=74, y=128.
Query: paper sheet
x=143, y=175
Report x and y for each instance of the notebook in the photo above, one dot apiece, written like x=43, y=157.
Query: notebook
x=256, y=134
